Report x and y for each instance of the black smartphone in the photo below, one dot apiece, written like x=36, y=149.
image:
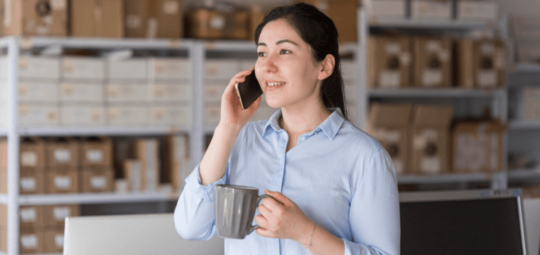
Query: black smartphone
x=249, y=90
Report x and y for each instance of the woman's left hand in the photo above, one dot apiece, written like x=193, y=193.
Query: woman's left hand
x=285, y=220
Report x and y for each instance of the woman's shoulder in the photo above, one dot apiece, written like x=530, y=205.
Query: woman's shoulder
x=357, y=137
x=254, y=128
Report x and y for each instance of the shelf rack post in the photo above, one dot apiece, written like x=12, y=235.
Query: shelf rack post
x=361, y=57
x=196, y=56
x=13, y=148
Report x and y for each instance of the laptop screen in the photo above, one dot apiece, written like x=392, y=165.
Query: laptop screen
x=476, y=226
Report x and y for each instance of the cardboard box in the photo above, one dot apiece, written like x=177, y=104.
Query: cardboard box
x=31, y=217
x=205, y=24
x=2, y=33
x=477, y=11
x=386, y=9
x=82, y=115
x=3, y=181
x=83, y=68
x=32, y=241
x=38, y=92
x=32, y=154
x=170, y=93
x=389, y=61
x=256, y=16
x=36, y=17
x=3, y=217
x=389, y=124
x=39, y=68
x=147, y=152
x=127, y=70
x=54, y=240
x=170, y=115
x=132, y=173
x=62, y=153
x=342, y=13
x=177, y=161
x=213, y=91
x=431, y=10
x=127, y=115
x=123, y=150
x=97, y=18
x=223, y=70
x=81, y=92
x=154, y=19
x=432, y=62
x=3, y=241
x=430, y=139
x=478, y=147
x=38, y=114
x=127, y=93
x=63, y=181
x=96, y=180
x=530, y=108
x=32, y=182
x=236, y=25
x=481, y=63
x=55, y=215
x=96, y=152
x=169, y=69
x=3, y=153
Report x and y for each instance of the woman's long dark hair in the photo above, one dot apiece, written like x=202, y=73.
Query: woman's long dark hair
x=319, y=32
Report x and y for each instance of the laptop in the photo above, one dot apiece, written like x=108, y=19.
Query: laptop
x=532, y=218
x=462, y=222
x=132, y=234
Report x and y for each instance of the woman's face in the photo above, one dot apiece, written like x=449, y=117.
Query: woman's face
x=285, y=69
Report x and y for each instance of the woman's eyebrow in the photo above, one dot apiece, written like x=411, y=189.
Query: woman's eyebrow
x=286, y=41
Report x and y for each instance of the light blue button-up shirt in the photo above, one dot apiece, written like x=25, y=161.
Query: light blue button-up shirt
x=340, y=177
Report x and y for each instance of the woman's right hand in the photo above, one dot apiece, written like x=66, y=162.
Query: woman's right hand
x=232, y=114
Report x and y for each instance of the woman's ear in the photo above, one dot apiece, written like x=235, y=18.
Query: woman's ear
x=327, y=67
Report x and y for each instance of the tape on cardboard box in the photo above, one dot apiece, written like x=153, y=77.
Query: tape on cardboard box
x=55, y=214
x=32, y=182
x=31, y=241
x=54, y=240
x=63, y=181
x=96, y=152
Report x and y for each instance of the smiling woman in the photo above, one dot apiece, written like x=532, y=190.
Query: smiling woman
x=332, y=187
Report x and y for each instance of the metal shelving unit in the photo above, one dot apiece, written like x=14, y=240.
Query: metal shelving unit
x=433, y=93
x=520, y=125
x=433, y=24
x=104, y=198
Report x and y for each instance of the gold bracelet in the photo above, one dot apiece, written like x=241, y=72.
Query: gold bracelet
x=311, y=236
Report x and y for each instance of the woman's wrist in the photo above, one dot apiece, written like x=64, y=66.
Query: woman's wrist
x=229, y=128
x=306, y=234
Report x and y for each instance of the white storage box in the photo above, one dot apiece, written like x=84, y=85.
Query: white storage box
x=82, y=115
x=80, y=68
x=477, y=11
x=221, y=69
x=39, y=68
x=125, y=93
x=81, y=92
x=131, y=69
x=37, y=91
x=431, y=10
x=214, y=91
x=386, y=9
x=170, y=92
x=349, y=71
x=169, y=69
x=178, y=115
x=245, y=64
x=38, y=115
x=125, y=115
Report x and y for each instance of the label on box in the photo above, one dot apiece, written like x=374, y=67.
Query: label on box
x=28, y=184
x=398, y=165
x=58, y=5
x=61, y=212
x=217, y=22
x=23, y=89
x=28, y=215
x=47, y=20
x=432, y=77
x=487, y=78
x=62, y=155
x=389, y=79
x=470, y=151
x=62, y=182
x=133, y=21
x=29, y=158
x=94, y=156
x=433, y=46
x=98, y=182
x=23, y=63
x=487, y=49
x=393, y=48
x=405, y=58
x=68, y=66
x=494, y=153
x=29, y=241
x=68, y=88
x=59, y=241
x=170, y=7
x=430, y=165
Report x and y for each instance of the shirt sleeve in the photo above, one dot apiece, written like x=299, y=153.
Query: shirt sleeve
x=374, y=214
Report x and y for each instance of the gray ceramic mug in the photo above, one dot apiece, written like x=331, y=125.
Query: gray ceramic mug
x=234, y=208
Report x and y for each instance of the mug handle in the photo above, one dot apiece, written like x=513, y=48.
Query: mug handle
x=253, y=228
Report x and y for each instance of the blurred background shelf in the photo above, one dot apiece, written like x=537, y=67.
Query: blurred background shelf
x=3, y=131
x=91, y=131
x=104, y=198
x=524, y=174
x=99, y=43
x=523, y=124
x=444, y=178
x=433, y=93
x=527, y=68
x=432, y=24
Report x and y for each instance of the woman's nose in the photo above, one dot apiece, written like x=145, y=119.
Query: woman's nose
x=268, y=64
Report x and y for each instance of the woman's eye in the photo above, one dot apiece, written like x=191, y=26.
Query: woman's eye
x=261, y=54
x=285, y=52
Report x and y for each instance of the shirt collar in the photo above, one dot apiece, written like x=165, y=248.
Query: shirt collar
x=330, y=126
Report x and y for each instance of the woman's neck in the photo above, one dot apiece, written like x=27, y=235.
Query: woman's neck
x=297, y=120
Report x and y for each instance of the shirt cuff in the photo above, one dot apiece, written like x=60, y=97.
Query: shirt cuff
x=207, y=192
x=348, y=248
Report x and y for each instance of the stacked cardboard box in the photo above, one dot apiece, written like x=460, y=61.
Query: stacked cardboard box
x=390, y=61
x=36, y=17
x=62, y=165
x=472, y=10
x=218, y=23
x=97, y=172
x=147, y=154
x=153, y=18
x=177, y=162
x=478, y=147
x=432, y=62
x=431, y=10
x=430, y=139
x=480, y=63
x=386, y=10
x=32, y=172
x=342, y=13
x=389, y=124
x=97, y=18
